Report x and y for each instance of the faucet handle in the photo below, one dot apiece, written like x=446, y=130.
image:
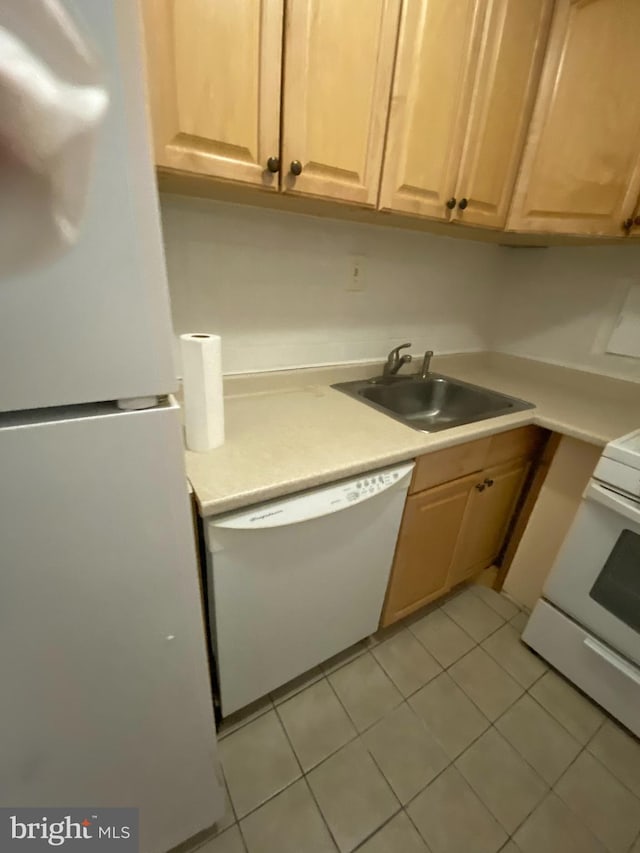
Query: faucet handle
x=395, y=361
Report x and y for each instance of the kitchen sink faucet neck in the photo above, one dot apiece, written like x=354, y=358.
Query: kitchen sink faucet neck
x=426, y=364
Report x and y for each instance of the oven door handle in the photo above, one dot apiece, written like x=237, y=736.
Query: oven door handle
x=619, y=504
x=613, y=659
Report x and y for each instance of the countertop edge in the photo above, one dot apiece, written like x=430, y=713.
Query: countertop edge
x=441, y=440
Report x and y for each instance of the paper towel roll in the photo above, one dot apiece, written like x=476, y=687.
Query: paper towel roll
x=202, y=387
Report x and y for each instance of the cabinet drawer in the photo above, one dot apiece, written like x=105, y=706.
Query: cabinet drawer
x=449, y=464
x=513, y=444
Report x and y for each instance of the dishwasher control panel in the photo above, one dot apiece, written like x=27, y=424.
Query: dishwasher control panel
x=316, y=502
x=370, y=485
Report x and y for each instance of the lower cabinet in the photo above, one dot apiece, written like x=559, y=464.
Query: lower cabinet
x=489, y=509
x=427, y=542
x=453, y=530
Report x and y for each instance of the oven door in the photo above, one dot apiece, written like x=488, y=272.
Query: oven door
x=596, y=578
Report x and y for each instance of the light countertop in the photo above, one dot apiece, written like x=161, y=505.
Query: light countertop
x=289, y=430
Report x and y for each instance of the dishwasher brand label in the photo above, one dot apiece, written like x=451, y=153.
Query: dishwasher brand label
x=104, y=830
x=266, y=515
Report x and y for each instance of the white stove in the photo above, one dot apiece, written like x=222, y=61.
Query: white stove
x=588, y=622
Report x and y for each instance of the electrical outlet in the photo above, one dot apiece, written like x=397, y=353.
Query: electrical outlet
x=356, y=281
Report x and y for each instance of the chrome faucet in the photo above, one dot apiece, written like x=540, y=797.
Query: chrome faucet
x=395, y=361
x=426, y=362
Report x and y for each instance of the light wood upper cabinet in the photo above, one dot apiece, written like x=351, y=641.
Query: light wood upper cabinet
x=488, y=513
x=437, y=51
x=214, y=83
x=426, y=545
x=337, y=79
x=506, y=83
x=581, y=168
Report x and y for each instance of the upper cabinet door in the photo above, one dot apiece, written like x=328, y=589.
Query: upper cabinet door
x=337, y=78
x=214, y=83
x=515, y=35
x=435, y=65
x=580, y=172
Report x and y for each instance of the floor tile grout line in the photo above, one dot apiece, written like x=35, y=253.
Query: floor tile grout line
x=553, y=716
x=411, y=821
x=452, y=761
x=397, y=686
x=490, y=634
x=380, y=770
x=305, y=773
x=280, y=790
x=567, y=805
x=359, y=734
x=320, y=812
x=472, y=587
x=548, y=788
x=346, y=710
x=242, y=838
x=609, y=719
x=523, y=757
x=608, y=769
x=378, y=829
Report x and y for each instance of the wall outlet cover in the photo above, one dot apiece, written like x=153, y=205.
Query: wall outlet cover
x=356, y=274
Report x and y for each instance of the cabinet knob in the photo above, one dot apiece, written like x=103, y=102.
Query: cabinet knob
x=628, y=224
x=296, y=167
x=480, y=487
x=273, y=164
x=464, y=202
x=452, y=203
x=488, y=482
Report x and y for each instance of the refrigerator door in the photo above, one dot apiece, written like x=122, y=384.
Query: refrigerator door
x=105, y=682
x=95, y=324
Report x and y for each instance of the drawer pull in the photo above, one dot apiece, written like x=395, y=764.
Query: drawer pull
x=613, y=659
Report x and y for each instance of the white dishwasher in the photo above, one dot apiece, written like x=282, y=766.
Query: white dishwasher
x=297, y=580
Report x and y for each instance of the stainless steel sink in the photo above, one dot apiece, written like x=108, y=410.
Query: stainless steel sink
x=434, y=403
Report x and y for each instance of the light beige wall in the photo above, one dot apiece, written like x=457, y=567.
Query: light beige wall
x=561, y=305
x=550, y=519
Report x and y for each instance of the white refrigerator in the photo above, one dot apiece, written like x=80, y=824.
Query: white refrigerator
x=105, y=693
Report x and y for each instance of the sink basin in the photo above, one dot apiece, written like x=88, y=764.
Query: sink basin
x=434, y=403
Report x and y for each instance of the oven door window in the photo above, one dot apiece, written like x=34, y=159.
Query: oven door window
x=617, y=587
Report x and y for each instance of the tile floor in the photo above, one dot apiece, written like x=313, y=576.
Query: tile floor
x=444, y=734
